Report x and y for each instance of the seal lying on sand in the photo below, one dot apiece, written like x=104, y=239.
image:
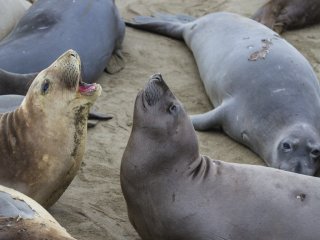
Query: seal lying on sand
x=50, y=27
x=172, y=192
x=265, y=93
x=11, y=12
x=43, y=140
x=282, y=15
x=22, y=218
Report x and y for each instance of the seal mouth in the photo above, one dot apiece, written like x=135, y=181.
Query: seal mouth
x=87, y=89
x=154, y=89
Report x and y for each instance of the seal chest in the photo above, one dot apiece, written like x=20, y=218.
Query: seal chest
x=49, y=129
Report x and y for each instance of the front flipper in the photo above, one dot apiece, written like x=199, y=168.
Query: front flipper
x=116, y=62
x=209, y=120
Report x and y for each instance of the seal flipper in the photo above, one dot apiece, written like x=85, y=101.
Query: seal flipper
x=209, y=120
x=116, y=62
x=162, y=23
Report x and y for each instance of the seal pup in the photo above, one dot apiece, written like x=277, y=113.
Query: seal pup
x=50, y=27
x=172, y=192
x=282, y=15
x=43, y=140
x=22, y=218
x=11, y=12
x=265, y=93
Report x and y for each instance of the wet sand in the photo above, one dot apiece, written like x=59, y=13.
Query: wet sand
x=93, y=207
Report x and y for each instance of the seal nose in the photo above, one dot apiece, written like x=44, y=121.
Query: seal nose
x=158, y=80
x=156, y=77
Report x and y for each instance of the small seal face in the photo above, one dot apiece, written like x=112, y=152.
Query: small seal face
x=45, y=136
x=298, y=149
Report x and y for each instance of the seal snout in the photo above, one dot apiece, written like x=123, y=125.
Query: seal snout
x=155, y=89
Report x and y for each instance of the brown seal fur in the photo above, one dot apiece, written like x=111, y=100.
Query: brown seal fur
x=22, y=218
x=173, y=192
x=42, y=142
x=282, y=15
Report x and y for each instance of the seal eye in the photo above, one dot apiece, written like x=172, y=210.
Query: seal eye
x=45, y=87
x=286, y=147
x=315, y=153
x=173, y=108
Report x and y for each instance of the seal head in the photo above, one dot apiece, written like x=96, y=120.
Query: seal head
x=159, y=115
x=298, y=150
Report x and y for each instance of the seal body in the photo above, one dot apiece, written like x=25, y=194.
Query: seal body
x=11, y=12
x=92, y=28
x=282, y=15
x=43, y=139
x=172, y=192
x=22, y=218
x=265, y=93
x=15, y=83
x=9, y=103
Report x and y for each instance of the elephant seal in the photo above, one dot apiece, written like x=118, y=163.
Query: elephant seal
x=50, y=27
x=265, y=93
x=172, y=192
x=22, y=218
x=282, y=15
x=43, y=140
x=11, y=12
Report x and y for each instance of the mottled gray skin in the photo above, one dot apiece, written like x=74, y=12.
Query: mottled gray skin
x=172, y=192
x=265, y=93
x=282, y=15
x=22, y=218
x=50, y=27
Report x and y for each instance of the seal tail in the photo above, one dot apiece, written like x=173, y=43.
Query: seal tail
x=162, y=23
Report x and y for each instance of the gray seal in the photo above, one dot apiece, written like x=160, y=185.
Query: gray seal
x=282, y=15
x=265, y=93
x=50, y=27
x=23, y=218
x=43, y=140
x=173, y=192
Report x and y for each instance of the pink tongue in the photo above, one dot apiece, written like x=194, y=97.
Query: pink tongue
x=87, y=88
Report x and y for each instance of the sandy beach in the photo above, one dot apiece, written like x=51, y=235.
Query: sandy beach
x=93, y=208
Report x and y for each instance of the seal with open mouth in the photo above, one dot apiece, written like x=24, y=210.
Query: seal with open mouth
x=43, y=140
x=22, y=218
x=173, y=192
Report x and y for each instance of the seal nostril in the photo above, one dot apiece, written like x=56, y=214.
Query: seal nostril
x=157, y=77
x=73, y=55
